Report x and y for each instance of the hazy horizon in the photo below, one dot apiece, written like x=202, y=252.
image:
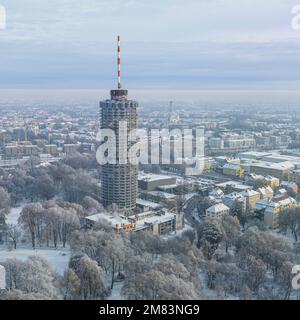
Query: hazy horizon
x=92, y=96
x=216, y=44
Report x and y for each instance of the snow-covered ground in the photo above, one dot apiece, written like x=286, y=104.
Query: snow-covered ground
x=14, y=214
x=58, y=259
x=116, y=292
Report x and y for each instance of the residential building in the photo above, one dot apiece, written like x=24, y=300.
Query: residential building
x=218, y=210
x=271, y=209
x=232, y=169
x=251, y=197
x=266, y=193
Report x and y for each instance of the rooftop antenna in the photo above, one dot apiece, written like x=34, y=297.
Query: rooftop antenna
x=119, y=63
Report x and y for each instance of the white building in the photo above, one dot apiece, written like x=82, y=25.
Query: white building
x=218, y=210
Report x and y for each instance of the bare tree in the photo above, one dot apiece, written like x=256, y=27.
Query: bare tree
x=14, y=233
x=30, y=218
x=290, y=220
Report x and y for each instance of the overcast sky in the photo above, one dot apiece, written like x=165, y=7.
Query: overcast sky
x=179, y=44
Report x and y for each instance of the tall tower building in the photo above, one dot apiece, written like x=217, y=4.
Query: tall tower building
x=119, y=181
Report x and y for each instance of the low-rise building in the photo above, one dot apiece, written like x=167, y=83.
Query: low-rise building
x=159, y=197
x=266, y=193
x=296, y=177
x=273, y=182
x=251, y=197
x=218, y=210
x=216, y=193
x=230, y=200
x=281, y=170
x=51, y=149
x=232, y=169
x=271, y=209
x=118, y=222
x=158, y=222
x=70, y=148
x=147, y=205
x=289, y=186
x=151, y=181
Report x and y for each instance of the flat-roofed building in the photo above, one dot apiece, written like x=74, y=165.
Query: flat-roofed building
x=118, y=222
x=12, y=151
x=160, y=197
x=281, y=170
x=31, y=150
x=147, y=205
x=51, y=149
x=253, y=155
x=71, y=148
x=232, y=169
x=158, y=222
x=151, y=181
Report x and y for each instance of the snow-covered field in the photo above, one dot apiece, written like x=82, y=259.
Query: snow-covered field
x=116, y=292
x=58, y=259
x=13, y=216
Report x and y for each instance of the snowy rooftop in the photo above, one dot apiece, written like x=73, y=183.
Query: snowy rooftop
x=162, y=194
x=153, y=177
x=250, y=193
x=156, y=219
x=265, y=190
x=277, y=166
x=234, y=184
x=219, y=207
x=147, y=203
x=114, y=220
x=231, y=166
x=254, y=154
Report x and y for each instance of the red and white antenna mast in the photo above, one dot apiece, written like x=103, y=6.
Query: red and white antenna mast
x=119, y=63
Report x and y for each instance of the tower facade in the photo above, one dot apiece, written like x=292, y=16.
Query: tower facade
x=119, y=181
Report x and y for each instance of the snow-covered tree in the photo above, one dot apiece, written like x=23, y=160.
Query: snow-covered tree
x=91, y=205
x=4, y=201
x=231, y=227
x=31, y=217
x=14, y=233
x=210, y=235
x=33, y=276
x=90, y=276
x=290, y=220
x=70, y=285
